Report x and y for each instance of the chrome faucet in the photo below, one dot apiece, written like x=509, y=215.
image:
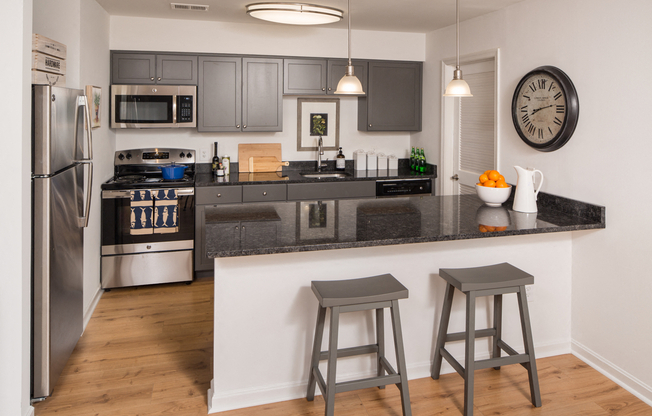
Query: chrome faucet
x=320, y=153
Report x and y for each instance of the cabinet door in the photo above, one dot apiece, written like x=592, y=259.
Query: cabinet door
x=219, y=94
x=133, y=68
x=226, y=236
x=304, y=76
x=337, y=69
x=258, y=234
x=176, y=69
x=393, y=100
x=262, y=94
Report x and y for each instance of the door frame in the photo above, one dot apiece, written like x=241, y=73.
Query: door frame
x=450, y=116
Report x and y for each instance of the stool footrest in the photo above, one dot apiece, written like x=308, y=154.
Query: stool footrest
x=387, y=366
x=509, y=350
x=320, y=381
x=497, y=362
x=452, y=361
x=367, y=383
x=349, y=352
x=479, y=333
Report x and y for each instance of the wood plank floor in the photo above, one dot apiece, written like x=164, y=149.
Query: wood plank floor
x=148, y=351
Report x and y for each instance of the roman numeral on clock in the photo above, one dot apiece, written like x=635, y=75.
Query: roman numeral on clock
x=560, y=109
x=524, y=109
x=531, y=129
x=533, y=87
x=526, y=119
x=557, y=121
x=540, y=134
x=552, y=86
x=557, y=96
x=542, y=84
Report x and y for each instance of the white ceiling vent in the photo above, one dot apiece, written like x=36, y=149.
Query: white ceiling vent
x=192, y=7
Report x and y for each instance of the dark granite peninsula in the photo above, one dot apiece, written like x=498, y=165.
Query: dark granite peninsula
x=286, y=227
x=266, y=255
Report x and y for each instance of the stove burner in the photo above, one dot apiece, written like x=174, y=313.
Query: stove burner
x=130, y=179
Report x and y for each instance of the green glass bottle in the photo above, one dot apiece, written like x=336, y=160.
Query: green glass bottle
x=412, y=159
x=422, y=161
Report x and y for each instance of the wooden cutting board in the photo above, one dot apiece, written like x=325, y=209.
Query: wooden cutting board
x=265, y=164
x=246, y=150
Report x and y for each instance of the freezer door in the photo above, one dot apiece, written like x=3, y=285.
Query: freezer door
x=58, y=130
x=58, y=275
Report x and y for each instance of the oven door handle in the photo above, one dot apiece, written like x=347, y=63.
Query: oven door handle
x=117, y=194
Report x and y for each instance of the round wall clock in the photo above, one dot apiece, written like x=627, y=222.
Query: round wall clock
x=545, y=108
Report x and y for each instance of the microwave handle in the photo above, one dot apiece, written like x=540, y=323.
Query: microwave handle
x=174, y=109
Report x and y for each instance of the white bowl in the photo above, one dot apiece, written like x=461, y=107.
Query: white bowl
x=493, y=216
x=494, y=197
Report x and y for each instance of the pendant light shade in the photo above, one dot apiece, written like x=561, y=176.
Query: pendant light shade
x=294, y=13
x=457, y=87
x=349, y=84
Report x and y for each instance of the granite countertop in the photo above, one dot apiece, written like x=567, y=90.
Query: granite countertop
x=292, y=174
x=347, y=223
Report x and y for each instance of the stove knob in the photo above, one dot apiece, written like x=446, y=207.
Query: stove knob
x=121, y=156
x=181, y=155
x=189, y=155
x=128, y=155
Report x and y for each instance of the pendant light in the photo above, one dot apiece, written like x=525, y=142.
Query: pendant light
x=349, y=84
x=458, y=87
x=294, y=13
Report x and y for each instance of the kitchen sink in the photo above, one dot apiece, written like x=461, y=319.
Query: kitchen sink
x=325, y=175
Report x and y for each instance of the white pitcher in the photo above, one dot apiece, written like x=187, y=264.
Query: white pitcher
x=525, y=199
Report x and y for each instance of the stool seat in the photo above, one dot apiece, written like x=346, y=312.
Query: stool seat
x=356, y=291
x=341, y=296
x=486, y=277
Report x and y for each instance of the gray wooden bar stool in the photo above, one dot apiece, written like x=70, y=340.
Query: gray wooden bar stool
x=493, y=280
x=376, y=292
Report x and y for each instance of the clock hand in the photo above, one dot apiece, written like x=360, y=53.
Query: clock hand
x=538, y=109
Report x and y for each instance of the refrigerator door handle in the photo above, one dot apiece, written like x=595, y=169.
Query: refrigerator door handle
x=82, y=101
x=83, y=220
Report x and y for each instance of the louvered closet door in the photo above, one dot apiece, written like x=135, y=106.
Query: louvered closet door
x=475, y=144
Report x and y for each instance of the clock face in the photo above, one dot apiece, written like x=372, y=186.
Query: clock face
x=545, y=108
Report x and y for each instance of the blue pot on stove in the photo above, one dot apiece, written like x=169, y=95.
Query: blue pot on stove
x=172, y=172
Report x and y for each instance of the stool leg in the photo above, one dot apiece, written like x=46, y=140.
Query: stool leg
x=535, y=394
x=332, y=361
x=316, y=352
x=380, y=341
x=469, y=358
x=498, y=326
x=443, y=330
x=400, y=359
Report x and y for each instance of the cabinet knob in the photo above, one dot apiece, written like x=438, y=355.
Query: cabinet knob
x=236, y=227
x=243, y=227
x=330, y=89
x=219, y=195
x=264, y=193
x=323, y=89
x=159, y=78
x=244, y=126
x=370, y=125
x=149, y=247
x=237, y=126
x=152, y=78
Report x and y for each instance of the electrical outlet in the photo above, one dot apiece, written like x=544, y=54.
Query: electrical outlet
x=203, y=155
x=529, y=293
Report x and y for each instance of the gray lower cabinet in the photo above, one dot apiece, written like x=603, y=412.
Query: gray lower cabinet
x=331, y=190
x=145, y=69
x=264, y=193
x=239, y=94
x=337, y=69
x=393, y=99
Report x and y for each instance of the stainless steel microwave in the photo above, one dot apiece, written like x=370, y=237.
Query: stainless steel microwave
x=153, y=106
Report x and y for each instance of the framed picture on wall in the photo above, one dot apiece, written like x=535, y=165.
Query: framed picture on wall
x=94, y=98
x=318, y=117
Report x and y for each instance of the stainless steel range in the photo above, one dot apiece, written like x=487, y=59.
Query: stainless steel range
x=147, y=221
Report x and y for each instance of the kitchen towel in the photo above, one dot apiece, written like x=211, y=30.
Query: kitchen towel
x=166, y=208
x=142, y=207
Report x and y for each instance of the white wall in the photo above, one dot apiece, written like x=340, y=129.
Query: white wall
x=598, y=44
x=147, y=34
x=15, y=24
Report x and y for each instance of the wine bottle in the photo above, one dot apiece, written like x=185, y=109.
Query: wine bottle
x=216, y=161
x=422, y=161
x=340, y=161
x=412, y=159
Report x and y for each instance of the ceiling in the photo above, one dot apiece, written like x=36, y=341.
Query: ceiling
x=417, y=16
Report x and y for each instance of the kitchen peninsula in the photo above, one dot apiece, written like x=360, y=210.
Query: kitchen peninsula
x=265, y=310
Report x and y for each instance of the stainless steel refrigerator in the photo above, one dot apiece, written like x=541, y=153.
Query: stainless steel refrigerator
x=61, y=152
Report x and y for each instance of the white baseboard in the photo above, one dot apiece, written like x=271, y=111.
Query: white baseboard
x=88, y=313
x=30, y=411
x=613, y=372
x=238, y=399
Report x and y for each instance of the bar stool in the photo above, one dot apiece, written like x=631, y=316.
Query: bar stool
x=376, y=292
x=493, y=280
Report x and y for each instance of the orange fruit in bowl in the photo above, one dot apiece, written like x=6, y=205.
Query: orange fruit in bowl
x=489, y=184
x=483, y=178
x=493, y=175
x=501, y=184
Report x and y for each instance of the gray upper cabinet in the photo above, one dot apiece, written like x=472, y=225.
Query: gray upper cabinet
x=239, y=94
x=133, y=68
x=219, y=96
x=176, y=69
x=393, y=100
x=144, y=69
x=337, y=69
x=304, y=76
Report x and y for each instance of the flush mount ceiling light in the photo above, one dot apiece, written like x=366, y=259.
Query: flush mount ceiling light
x=191, y=7
x=457, y=87
x=294, y=13
x=349, y=84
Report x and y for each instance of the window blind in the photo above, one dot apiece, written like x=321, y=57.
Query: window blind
x=477, y=144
